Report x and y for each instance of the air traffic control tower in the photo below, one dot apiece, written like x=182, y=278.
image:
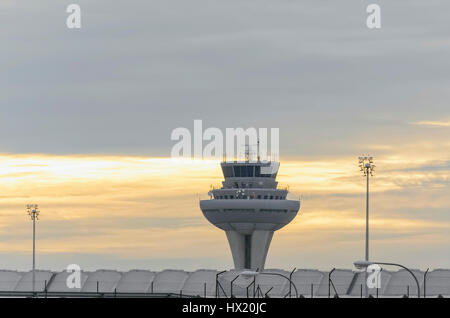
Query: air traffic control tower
x=249, y=208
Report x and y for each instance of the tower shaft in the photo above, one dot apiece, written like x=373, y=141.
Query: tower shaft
x=249, y=250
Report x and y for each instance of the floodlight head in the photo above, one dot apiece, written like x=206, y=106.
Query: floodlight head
x=366, y=165
x=33, y=211
x=362, y=264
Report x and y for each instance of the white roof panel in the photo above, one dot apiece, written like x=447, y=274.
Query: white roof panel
x=136, y=281
x=9, y=280
x=400, y=281
x=200, y=280
x=341, y=278
x=438, y=282
x=169, y=281
x=59, y=282
x=42, y=278
x=307, y=279
x=105, y=280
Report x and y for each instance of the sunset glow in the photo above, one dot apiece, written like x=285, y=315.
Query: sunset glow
x=130, y=206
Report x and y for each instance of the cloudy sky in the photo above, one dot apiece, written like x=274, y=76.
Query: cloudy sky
x=86, y=117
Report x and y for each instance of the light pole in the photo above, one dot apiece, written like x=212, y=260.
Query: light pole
x=367, y=168
x=33, y=212
x=365, y=264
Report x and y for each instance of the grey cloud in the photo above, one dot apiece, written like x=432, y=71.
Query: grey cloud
x=136, y=70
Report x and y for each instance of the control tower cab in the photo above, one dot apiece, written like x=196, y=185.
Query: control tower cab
x=249, y=208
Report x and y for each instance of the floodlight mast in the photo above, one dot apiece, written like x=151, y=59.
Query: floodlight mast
x=33, y=212
x=367, y=168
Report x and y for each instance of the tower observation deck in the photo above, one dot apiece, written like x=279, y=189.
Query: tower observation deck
x=249, y=208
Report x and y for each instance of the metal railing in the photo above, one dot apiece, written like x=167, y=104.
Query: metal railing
x=47, y=294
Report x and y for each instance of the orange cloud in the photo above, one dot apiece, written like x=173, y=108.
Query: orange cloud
x=148, y=207
x=433, y=123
